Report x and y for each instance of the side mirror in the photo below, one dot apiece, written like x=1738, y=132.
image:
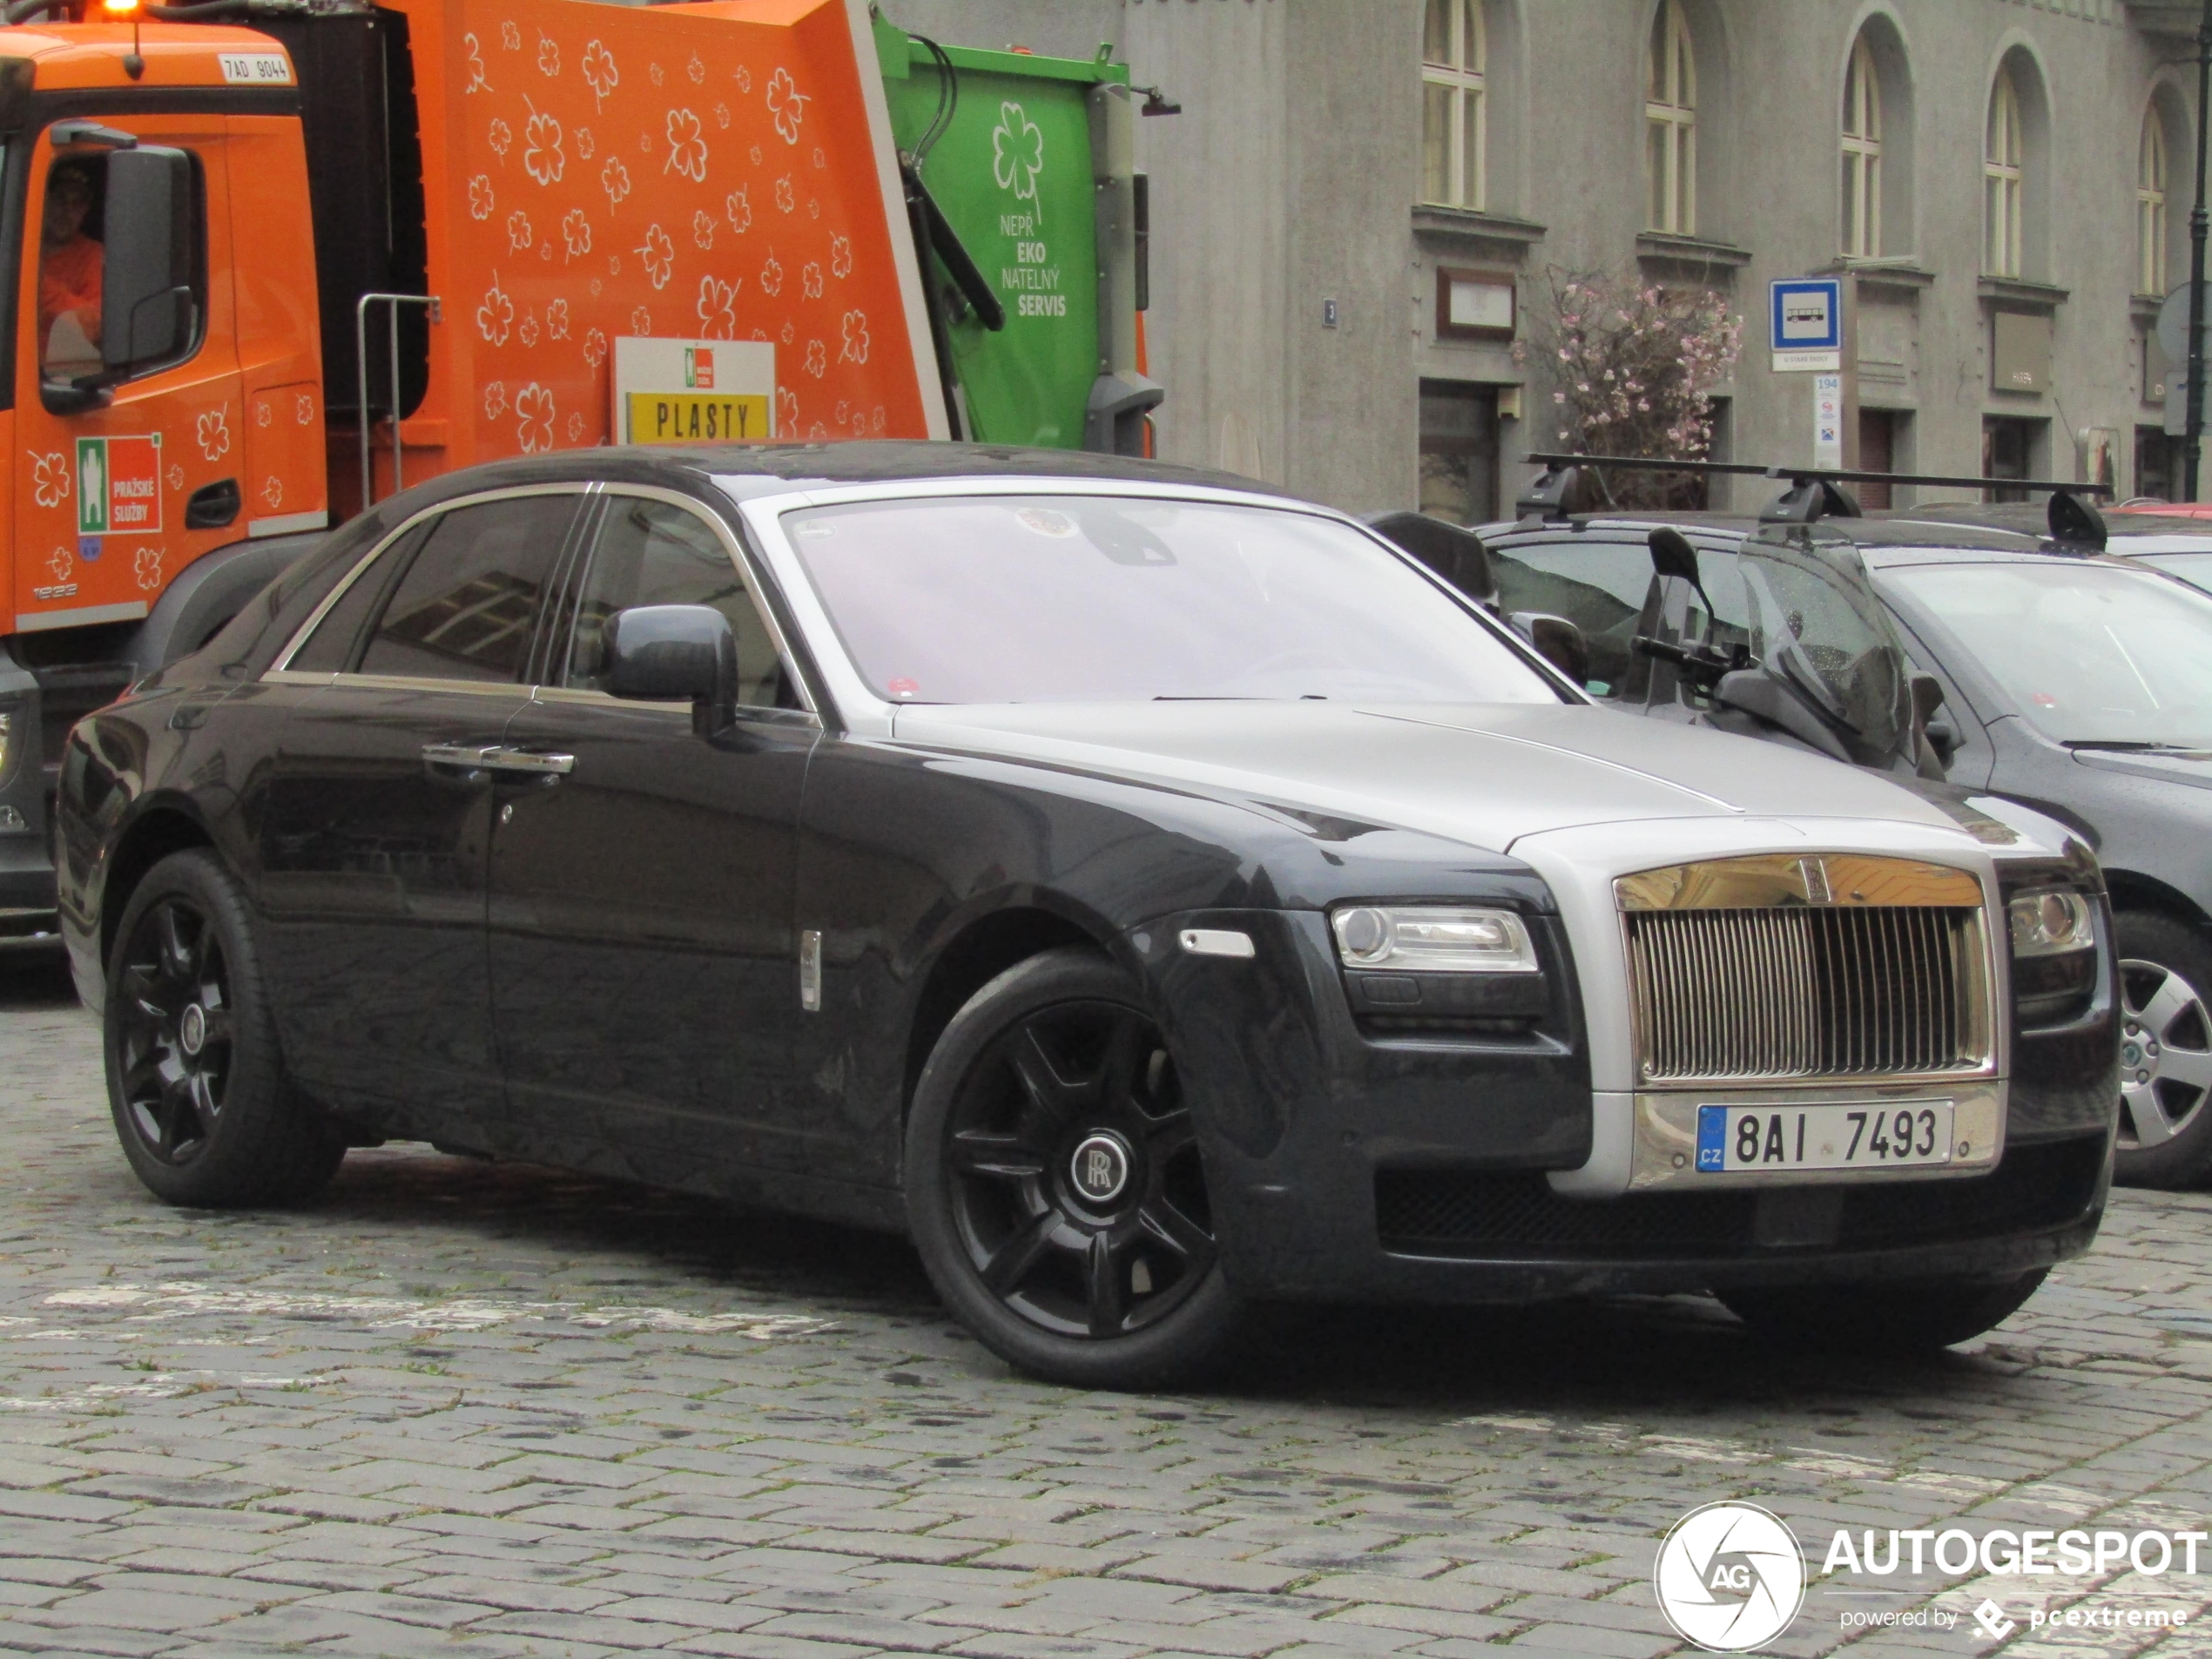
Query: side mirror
x=1456, y=554
x=1558, y=641
x=147, y=314
x=1940, y=737
x=1672, y=554
x=1943, y=737
x=674, y=654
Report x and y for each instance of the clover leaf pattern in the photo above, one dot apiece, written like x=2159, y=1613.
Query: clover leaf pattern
x=599, y=71
x=549, y=123
x=787, y=104
x=687, y=146
x=1017, y=155
x=717, y=309
x=534, y=415
x=658, y=252
x=50, y=478
x=542, y=155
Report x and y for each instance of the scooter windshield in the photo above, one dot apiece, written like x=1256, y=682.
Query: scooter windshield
x=1811, y=617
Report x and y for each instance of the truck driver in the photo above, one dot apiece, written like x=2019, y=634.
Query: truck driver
x=69, y=270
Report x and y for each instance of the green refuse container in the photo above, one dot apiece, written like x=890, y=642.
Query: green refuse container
x=1032, y=173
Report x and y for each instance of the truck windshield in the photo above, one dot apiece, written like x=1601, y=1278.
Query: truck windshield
x=1082, y=598
x=2089, y=653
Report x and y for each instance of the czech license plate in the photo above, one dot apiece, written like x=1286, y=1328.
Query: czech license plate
x=1893, y=1135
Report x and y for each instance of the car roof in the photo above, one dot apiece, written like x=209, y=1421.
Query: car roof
x=747, y=469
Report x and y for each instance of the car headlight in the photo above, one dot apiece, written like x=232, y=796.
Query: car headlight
x=1425, y=939
x=2051, y=921
x=7, y=733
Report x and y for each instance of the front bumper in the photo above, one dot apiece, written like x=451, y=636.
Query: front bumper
x=1346, y=1164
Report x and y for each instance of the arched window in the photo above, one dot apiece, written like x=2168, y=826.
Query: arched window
x=1453, y=61
x=2150, y=207
x=1862, y=155
x=1671, y=123
x=2003, y=178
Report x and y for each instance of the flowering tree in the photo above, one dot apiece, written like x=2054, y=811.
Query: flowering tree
x=1634, y=365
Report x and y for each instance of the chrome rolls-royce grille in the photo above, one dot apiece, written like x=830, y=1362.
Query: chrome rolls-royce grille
x=1747, y=969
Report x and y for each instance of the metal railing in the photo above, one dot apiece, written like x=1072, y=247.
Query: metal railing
x=392, y=302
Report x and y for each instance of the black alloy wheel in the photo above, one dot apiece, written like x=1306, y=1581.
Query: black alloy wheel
x=1055, y=1185
x=173, y=1029
x=195, y=1081
x=2165, y=1130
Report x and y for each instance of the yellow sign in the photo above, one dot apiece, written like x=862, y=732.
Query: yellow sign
x=696, y=417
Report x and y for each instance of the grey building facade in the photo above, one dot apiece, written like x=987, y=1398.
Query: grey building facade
x=1356, y=216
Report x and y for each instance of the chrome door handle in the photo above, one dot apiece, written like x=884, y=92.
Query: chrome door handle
x=535, y=762
x=467, y=756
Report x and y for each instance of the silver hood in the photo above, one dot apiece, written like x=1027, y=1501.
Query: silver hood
x=1484, y=774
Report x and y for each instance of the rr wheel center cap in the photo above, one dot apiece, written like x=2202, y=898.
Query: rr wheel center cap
x=1100, y=1168
x=191, y=1029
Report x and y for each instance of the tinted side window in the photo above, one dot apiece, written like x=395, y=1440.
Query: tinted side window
x=656, y=553
x=331, y=647
x=467, y=606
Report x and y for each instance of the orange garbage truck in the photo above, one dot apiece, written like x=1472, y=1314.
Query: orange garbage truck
x=269, y=260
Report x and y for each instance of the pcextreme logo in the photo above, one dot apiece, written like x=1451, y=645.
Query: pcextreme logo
x=1731, y=1577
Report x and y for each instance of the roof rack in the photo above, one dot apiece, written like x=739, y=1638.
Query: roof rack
x=1814, y=492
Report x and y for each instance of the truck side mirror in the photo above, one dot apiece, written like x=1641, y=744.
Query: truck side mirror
x=148, y=316
x=674, y=654
x=1558, y=641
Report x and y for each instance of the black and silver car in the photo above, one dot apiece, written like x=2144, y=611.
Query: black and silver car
x=1152, y=894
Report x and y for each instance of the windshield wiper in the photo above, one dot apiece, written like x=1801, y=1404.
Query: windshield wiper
x=2129, y=745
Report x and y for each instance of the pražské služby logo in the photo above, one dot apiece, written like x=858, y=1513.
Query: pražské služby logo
x=1731, y=1577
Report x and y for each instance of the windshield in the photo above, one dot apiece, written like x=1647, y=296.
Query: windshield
x=2090, y=653
x=1087, y=598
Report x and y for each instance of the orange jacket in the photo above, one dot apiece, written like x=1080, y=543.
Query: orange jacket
x=70, y=279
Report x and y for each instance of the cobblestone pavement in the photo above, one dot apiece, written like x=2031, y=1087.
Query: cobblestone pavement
x=461, y=1409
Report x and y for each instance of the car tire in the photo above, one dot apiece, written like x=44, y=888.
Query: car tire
x=196, y=1080
x=2165, y=1136
x=1053, y=1186
x=1894, y=1315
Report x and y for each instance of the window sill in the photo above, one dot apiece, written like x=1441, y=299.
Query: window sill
x=1455, y=226
x=1900, y=272
x=1660, y=248
x=2021, y=295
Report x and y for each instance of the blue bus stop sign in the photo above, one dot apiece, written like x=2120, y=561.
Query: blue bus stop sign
x=1807, y=323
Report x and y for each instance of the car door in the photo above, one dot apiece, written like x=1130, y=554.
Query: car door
x=375, y=828
x=117, y=489
x=643, y=968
